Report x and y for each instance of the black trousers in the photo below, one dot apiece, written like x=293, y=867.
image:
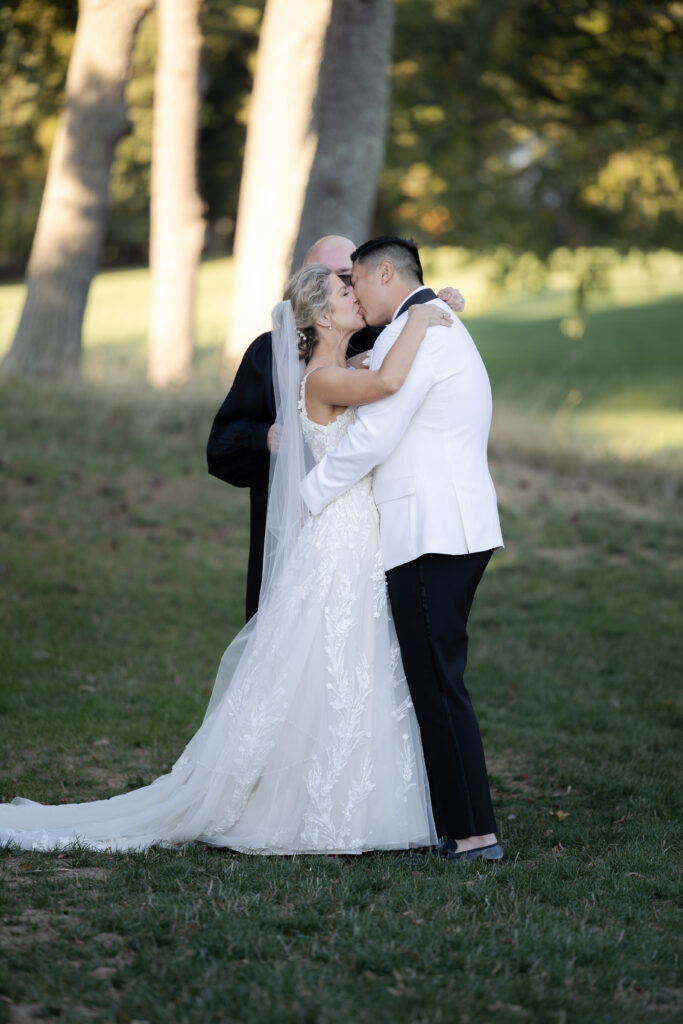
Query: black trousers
x=431, y=599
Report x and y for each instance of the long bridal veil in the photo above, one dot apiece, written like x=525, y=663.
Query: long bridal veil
x=289, y=462
x=209, y=784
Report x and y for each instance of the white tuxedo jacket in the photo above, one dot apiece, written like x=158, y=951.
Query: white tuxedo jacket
x=428, y=441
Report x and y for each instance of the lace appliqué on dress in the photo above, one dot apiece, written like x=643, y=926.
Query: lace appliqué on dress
x=314, y=746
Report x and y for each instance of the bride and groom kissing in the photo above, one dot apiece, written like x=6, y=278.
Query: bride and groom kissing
x=340, y=721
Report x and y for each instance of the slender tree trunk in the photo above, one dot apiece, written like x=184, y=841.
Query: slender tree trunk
x=68, y=240
x=350, y=121
x=177, y=226
x=279, y=153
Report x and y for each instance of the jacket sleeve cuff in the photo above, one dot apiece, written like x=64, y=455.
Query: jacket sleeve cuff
x=310, y=495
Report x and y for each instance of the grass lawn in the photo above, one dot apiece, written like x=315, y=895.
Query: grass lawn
x=121, y=580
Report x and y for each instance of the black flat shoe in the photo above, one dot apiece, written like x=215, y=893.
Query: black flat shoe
x=449, y=851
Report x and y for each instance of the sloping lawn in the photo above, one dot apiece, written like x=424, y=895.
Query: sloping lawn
x=121, y=581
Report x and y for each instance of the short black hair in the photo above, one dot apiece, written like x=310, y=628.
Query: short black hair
x=401, y=251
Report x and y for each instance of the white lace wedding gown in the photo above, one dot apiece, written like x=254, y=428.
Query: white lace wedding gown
x=313, y=747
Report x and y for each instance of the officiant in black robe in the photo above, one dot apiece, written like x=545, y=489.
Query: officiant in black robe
x=237, y=450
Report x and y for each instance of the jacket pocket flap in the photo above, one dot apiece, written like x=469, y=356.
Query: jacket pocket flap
x=388, y=490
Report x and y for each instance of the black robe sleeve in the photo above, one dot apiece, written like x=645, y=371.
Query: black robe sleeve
x=237, y=451
x=363, y=340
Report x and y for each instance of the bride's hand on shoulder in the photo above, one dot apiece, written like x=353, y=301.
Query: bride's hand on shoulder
x=429, y=316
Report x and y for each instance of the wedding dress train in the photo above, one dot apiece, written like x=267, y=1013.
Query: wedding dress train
x=310, y=744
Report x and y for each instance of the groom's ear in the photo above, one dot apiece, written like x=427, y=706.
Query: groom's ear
x=386, y=271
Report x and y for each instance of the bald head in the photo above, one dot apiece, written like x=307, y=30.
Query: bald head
x=334, y=251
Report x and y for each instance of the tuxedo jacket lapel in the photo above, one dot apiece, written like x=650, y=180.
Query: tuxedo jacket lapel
x=424, y=295
x=391, y=332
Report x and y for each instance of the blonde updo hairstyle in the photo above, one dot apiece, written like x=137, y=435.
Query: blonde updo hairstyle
x=309, y=293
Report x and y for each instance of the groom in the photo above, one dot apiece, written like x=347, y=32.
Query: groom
x=439, y=527
x=238, y=450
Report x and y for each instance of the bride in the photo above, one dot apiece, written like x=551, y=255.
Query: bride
x=310, y=742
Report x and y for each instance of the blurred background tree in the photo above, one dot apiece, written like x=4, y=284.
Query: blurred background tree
x=351, y=132
x=67, y=245
x=36, y=38
x=523, y=123
x=312, y=160
x=35, y=43
x=536, y=124
x=279, y=151
x=177, y=224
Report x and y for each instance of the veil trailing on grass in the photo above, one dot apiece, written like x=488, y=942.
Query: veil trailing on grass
x=310, y=743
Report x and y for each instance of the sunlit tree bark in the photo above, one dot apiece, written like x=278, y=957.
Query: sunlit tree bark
x=350, y=118
x=280, y=148
x=177, y=227
x=68, y=240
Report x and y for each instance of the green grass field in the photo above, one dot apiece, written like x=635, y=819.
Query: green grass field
x=121, y=581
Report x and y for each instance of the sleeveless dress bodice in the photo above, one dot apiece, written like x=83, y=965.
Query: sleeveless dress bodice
x=322, y=438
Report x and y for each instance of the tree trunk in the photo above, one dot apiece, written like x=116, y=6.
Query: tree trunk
x=350, y=120
x=177, y=226
x=278, y=157
x=68, y=240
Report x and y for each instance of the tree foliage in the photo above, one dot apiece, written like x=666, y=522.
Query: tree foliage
x=231, y=33
x=536, y=124
x=36, y=38
x=67, y=245
x=526, y=122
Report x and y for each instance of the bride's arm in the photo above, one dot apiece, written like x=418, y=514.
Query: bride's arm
x=451, y=296
x=335, y=385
